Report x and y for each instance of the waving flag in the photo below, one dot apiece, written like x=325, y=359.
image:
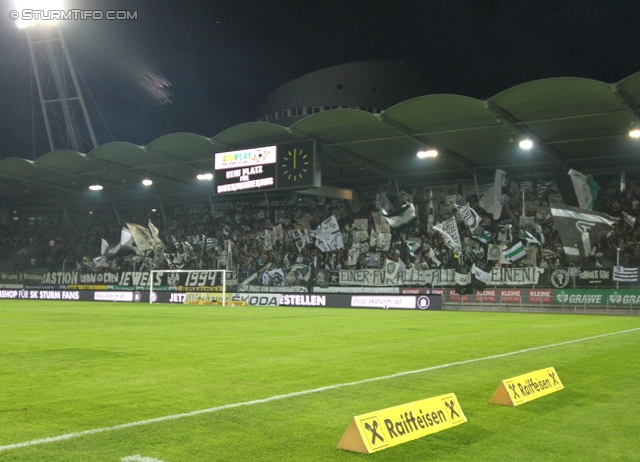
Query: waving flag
x=580, y=229
x=480, y=274
x=328, y=235
x=515, y=253
x=470, y=217
x=586, y=189
x=405, y=216
x=631, y=221
x=483, y=238
x=449, y=231
x=432, y=215
x=527, y=236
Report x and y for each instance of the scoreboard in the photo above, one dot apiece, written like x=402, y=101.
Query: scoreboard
x=283, y=166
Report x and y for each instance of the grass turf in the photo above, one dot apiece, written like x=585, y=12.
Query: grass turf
x=69, y=366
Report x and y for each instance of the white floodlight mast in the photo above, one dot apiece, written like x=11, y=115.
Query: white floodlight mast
x=49, y=52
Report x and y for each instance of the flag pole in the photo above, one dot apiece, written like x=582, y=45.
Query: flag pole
x=617, y=264
x=523, y=213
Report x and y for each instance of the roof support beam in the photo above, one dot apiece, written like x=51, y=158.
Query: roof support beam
x=624, y=97
x=502, y=113
x=143, y=172
x=67, y=173
x=448, y=154
x=36, y=182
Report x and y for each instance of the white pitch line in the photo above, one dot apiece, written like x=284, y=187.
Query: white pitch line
x=138, y=458
x=294, y=394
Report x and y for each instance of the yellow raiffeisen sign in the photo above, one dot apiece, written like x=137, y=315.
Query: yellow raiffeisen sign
x=383, y=429
x=527, y=387
x=208, y=298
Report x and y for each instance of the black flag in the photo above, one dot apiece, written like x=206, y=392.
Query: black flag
x=580, y=230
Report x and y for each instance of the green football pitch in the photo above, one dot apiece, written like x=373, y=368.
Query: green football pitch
x=133, y=382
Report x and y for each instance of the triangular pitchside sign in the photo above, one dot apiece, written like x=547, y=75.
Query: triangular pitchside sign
x=389, y=427
x=527, y=387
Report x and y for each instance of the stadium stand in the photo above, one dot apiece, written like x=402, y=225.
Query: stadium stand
x=31, y=246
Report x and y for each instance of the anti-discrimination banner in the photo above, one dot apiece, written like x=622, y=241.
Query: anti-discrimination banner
x=525, y=276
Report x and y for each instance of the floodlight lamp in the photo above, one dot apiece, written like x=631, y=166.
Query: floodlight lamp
x=526, y=144
x=32, y=12
x=95, y=187
x=634, y=133
x=147, y=182
x=205, y=176
x=427, y=153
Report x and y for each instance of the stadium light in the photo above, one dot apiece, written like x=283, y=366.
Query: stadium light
x=635, y=133
x=205, y=176
x=95, y=187
x=36, y=7
x=427, y=153
x=526, y=144
x=147, y=182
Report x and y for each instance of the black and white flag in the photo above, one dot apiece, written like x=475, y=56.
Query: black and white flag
x=372, y=260
x=580, y=230
x=543, y=186
x=212, y=244
x=470, y=217
x=480, y=274
x=432, y=214
x=527, y=236
x=301, y=237
x=328, y=235
x=631, y=220
x=449, y=231
x=622, y=274
x=272, y=277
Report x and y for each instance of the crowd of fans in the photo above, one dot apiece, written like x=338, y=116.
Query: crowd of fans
x=201, y=240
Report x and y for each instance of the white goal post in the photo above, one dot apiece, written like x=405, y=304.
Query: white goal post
x=152, y=274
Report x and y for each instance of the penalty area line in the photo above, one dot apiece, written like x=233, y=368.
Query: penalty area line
x=68, y=436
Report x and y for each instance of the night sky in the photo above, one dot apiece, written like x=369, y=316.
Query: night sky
x=222, y=58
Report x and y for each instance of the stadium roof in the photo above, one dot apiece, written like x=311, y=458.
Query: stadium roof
x=573, y=122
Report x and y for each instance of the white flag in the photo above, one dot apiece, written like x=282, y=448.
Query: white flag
x=126, y=239
x=104, y=247
x=449, y=231
x=141, y=236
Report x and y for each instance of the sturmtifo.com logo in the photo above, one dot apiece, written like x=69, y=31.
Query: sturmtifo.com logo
x=27, y=16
